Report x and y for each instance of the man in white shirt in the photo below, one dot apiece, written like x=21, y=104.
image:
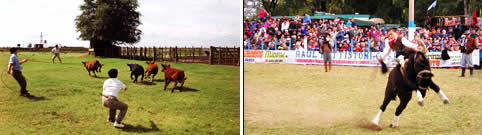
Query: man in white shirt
x=56, y=52
x=396, y=44
x=111, y=88
x=285, y=25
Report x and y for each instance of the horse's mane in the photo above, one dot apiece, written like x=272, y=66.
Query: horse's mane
x=416, y=57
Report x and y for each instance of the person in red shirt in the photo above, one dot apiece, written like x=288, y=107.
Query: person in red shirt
x=262, y=13
x=358, y=48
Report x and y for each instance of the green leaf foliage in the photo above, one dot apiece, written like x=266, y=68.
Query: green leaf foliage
x=111, y=21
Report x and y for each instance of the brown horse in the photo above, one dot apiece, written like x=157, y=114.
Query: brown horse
x=403, y=81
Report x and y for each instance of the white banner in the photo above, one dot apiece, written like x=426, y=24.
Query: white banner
x=346, y=58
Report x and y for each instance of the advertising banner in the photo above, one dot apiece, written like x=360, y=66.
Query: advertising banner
x=346, y=58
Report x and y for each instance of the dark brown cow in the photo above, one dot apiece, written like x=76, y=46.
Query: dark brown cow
x=172, y=74
x=93, y=66
x=152, y=69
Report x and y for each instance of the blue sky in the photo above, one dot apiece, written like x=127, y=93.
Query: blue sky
x=165, y=22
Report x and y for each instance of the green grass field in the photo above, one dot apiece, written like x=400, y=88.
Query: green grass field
x=72, y=100
x=303, y=99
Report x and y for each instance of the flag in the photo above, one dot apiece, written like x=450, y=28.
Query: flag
x=433, y=5
x=474, y=19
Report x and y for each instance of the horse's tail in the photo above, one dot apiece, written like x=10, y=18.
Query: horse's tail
x=384, y=67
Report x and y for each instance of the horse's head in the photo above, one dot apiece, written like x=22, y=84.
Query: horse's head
x=422, y=69
x=165, y=67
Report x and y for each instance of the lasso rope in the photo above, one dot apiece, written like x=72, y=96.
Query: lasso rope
x=4, y=84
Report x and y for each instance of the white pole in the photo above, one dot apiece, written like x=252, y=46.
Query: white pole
x=411, y=23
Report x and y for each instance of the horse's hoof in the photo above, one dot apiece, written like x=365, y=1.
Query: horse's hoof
x=446, y=102
x=393, y=126
x=420, y=103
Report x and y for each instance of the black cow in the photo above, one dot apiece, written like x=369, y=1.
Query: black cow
x=136, y=70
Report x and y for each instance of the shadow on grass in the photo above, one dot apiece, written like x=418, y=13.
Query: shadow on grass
x=100, y=77
x=187, y=89
x=140, y=128
x=35, y=98
x=147, y=83
x=158, y=80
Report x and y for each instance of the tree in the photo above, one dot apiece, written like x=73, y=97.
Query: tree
x=106, y=23
x=270, y=5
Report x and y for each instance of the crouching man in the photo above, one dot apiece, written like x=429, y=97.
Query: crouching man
x=111, y=88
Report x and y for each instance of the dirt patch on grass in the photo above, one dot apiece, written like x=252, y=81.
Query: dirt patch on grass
x=364, y=123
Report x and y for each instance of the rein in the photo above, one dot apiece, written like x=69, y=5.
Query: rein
x=419, y=74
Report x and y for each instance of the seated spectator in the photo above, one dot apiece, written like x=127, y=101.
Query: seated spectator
x=357, y=48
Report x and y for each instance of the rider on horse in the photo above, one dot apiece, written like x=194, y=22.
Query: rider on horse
x=397, y=44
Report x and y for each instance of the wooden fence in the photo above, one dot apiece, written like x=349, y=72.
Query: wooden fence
x=212, y=55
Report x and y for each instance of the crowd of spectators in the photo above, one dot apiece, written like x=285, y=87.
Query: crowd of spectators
x=268, y=33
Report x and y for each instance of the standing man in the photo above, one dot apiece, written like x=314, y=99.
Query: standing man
x=56, y=52
x=111, y=89
x=467, y=46
x=15, y=65
x=307, y=19
x=327, y=44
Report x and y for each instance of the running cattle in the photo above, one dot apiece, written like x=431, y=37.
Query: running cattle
x=136, y=70
x=152, y=69
x=93, y=66
x=416, y=74
x=172, y=74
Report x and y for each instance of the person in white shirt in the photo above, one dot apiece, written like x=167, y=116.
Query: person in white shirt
x=111, y=88
x=56, y=52
x=396, y=44
x=285, y=25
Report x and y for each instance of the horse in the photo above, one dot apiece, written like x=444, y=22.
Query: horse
x=415, y=76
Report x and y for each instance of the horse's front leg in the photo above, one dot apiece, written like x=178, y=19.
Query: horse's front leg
x=420, y=96
x=440, y=93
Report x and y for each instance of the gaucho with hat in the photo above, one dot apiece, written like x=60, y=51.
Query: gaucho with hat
x=467, y=46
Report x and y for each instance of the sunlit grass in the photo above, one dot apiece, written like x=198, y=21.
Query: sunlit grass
x=303, y=99
x=73, y=105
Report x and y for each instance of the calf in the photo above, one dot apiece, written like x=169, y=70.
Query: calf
x=93, y=66
x=152, y=69
x=172, y=74
x=136, y=70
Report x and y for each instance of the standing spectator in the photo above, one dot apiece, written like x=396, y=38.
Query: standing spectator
x=15, y=65
x=297, y=18
x=262, y=14
x=307, y=19
x=457, y=30
x=327, y=48
x=285, y=25
x=348, y=23
x=56, y=52
x=466, y=48
x=474, y=34
x=353, y=23
x=110, y=93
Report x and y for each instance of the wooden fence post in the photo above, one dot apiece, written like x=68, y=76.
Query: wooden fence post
x=155, y=54
x=219, y=55
x=176, y=56
x=210, y=55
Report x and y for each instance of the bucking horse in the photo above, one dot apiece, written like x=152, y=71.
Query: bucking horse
x=414, y=76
